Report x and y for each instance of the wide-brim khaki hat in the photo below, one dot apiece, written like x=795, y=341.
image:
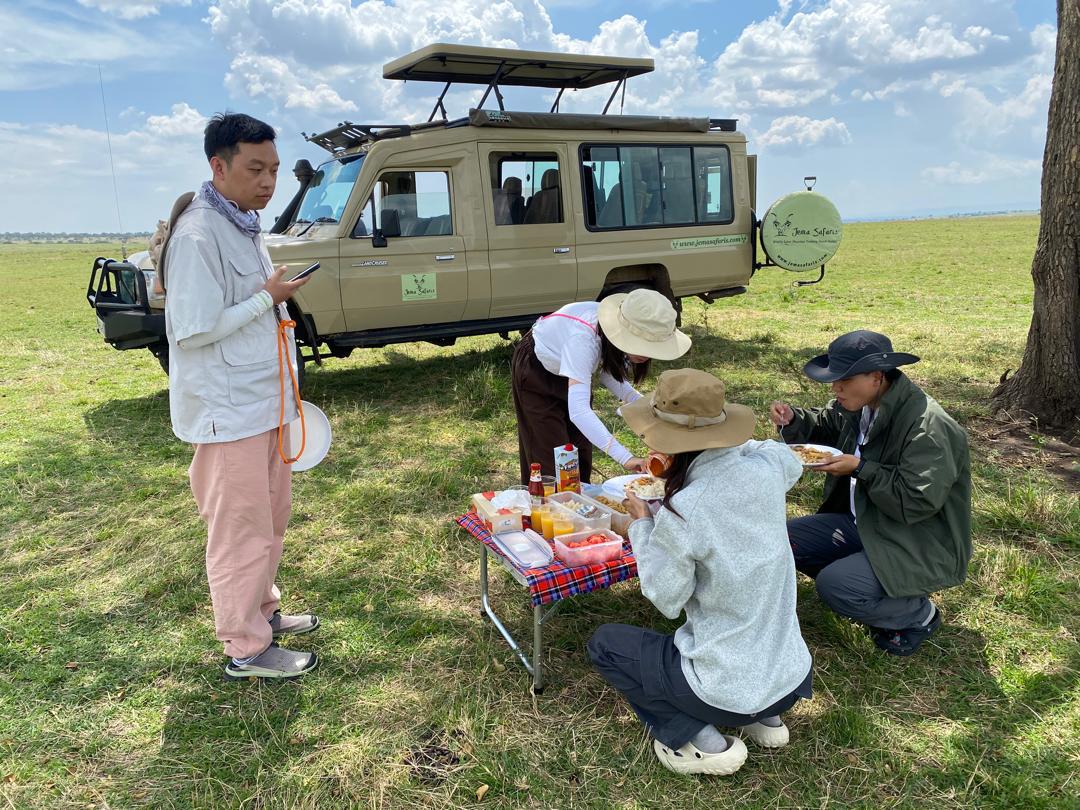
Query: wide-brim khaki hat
x=643, y=322
x=689, y=411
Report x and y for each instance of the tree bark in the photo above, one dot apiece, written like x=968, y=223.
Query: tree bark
x=1047, y=384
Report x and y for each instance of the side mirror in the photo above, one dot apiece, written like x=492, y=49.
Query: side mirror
x=378, y=240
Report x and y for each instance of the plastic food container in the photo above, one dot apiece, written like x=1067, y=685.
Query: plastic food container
x=588, y=555
x=587, y=513
x=496, y=520
x=526, y=549
x=620, y=521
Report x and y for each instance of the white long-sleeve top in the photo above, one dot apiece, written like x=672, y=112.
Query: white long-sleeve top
x=568, y=345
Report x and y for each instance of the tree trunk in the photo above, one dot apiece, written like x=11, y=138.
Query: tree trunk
x=1047, y=384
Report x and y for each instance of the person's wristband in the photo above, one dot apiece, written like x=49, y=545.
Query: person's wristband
x=857, y=470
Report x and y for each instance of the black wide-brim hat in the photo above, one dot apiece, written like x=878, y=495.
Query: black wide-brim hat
x=856, y=353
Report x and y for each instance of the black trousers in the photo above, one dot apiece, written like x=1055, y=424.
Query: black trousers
x=646, y=667
x=543, y=415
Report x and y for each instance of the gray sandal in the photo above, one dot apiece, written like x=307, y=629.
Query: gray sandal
x=273, y=663
x=284, y=625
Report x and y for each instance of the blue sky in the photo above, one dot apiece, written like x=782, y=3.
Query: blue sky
x=900, y=107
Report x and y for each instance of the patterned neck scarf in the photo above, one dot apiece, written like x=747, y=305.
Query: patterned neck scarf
x=247, y=222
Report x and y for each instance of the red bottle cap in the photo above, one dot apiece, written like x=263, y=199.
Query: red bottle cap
x=568, y=447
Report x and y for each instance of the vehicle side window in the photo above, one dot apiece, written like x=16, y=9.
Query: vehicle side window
x=713, y=167
x=408, y=203
x=656, y=186
x=526, y=188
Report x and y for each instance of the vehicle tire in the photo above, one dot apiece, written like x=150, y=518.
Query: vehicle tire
x=624, y=287
x=163, y=359
x=300, y=370
x=628, y=286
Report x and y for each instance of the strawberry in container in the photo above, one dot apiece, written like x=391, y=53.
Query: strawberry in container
x=590, y=547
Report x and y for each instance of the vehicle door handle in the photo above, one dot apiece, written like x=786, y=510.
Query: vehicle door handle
x=448, y=257
x=562, y=250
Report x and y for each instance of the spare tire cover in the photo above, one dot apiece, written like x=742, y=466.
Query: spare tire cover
x=801, y=231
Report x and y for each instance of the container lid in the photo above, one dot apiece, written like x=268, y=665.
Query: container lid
x=801, y=231
x=525, y=549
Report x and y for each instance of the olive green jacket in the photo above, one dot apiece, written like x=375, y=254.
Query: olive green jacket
x=913, y=494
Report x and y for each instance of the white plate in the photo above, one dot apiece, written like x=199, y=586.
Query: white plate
x=318, y=438
x=616, y=487
x=821, y=448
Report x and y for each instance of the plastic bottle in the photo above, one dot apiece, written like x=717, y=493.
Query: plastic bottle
x=536, y=484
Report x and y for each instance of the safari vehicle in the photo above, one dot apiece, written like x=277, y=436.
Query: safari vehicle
x=481, y=224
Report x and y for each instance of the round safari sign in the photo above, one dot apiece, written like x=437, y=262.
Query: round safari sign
x=801, y=231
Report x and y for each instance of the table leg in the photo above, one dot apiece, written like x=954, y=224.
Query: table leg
x=538, y=649
x=485, y=604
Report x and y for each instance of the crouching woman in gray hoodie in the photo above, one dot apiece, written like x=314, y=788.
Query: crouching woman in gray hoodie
x=718, y=550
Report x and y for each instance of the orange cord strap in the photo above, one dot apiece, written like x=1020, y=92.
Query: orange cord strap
x=283, y=363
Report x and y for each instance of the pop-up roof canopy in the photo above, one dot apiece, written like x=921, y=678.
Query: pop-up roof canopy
x=467, y=64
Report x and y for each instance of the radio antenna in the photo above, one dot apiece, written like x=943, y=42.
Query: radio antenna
x=112, y=165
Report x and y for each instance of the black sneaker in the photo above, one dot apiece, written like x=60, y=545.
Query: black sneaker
x=906, y=642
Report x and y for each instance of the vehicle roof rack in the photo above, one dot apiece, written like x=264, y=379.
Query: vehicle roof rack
x=496, y=67
x=541, y=120
x=346, y=135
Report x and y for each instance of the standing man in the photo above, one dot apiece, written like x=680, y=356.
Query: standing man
x=896, y=522
x=224, y=303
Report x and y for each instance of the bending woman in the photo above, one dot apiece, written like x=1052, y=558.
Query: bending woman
x=554, y=364
x=718, y=550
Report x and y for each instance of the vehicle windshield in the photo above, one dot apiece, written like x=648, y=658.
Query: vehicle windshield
x=329, y=190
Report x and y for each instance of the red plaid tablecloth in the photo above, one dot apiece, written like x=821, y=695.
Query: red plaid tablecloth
x=558, y=580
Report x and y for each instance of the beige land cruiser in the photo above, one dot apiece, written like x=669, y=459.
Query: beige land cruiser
x=481, y=224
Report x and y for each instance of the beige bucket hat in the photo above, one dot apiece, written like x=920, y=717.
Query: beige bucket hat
x=689, y=411
x=643, y=322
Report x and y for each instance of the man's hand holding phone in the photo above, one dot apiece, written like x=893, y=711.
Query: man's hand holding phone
x=281, y=289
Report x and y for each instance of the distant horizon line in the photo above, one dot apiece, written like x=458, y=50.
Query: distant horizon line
x=7, y=235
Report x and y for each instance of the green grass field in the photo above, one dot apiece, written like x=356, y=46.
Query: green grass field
x=111, y=692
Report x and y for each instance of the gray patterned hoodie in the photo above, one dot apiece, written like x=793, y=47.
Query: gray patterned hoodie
x=727, y=563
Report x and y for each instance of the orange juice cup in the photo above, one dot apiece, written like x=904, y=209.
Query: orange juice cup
x=549, y=527
x=541, y=516
x=561, y=526
x=549, y=484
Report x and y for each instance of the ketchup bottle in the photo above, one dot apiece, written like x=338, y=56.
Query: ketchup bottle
x=536, y=485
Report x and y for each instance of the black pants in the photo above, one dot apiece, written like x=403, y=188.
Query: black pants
x=646, y=668
x=543, y=415
x=828, y=548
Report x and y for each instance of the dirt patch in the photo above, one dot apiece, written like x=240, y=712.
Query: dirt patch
x=1021, y=444
x=432, y=760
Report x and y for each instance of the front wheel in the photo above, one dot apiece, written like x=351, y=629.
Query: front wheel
x=300, y=374
x=162, y=355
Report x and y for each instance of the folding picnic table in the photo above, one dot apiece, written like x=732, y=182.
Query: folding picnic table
x=547, y=586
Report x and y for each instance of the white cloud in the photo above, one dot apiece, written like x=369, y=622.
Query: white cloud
x=183, y=121
x=268, y=76
x=131, y=9
x=990, y=168
x=42, y=50
x=793, y=132
x=155, y=162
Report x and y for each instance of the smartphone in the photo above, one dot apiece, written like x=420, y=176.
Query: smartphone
x=306, y=272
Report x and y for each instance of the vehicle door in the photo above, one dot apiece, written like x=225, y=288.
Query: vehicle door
x=404, y=264
x=531, y=240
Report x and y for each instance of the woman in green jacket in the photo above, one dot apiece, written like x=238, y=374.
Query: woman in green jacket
x=896, y=522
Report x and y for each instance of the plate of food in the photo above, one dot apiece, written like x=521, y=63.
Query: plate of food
x=814, y=455
x=646, y=487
